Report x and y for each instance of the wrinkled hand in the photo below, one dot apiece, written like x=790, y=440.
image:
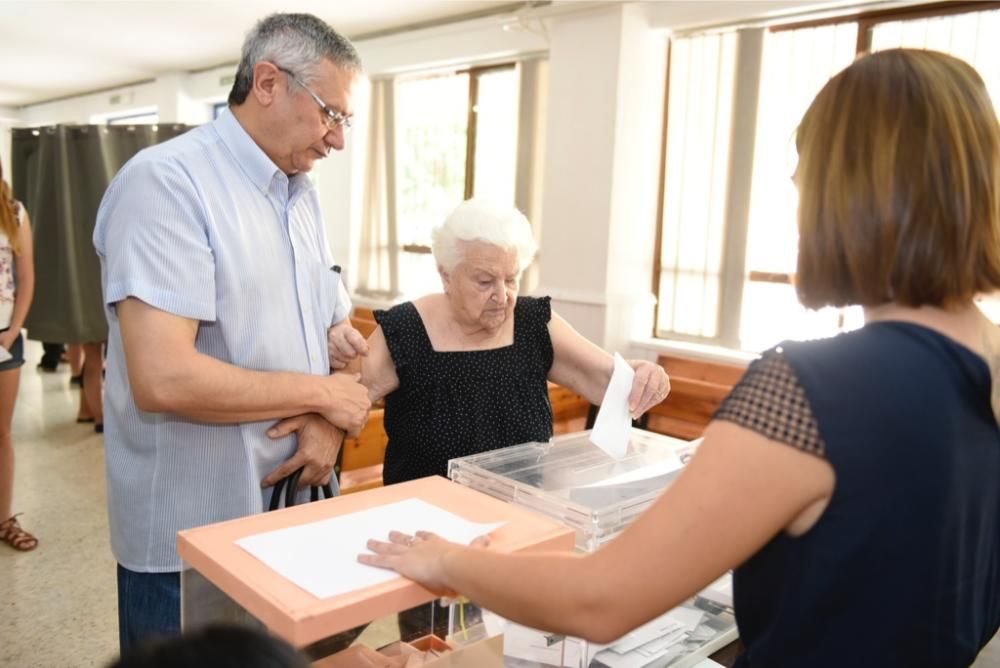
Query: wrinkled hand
x=345, y=344
x=350, y=403
x=650, y=386
x=419, y=557
x=319, y=443
x=8, y=338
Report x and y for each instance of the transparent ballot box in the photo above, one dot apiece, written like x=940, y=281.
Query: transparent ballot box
x=258, y=571
x=571, y=480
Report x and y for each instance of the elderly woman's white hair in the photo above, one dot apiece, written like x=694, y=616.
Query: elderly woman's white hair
x=480, y=220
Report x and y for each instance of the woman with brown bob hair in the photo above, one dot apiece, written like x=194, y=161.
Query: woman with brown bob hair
x=851, y=482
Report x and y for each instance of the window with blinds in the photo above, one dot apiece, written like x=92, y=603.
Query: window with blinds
x=696, y=224
x=700, y=115
x=456, y=138
x=794, y=67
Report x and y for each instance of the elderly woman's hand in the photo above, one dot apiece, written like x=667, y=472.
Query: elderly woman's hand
x=650, y=386
x=345, y=344
x=420, y=557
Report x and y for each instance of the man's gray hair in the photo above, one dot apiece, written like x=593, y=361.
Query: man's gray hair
x=479, y=220
x=295, y=42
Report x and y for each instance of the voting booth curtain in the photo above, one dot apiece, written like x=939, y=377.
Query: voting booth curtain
x=60, y=174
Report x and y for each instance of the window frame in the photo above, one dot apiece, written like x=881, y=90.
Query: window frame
x=470, y=135
x=128, y=118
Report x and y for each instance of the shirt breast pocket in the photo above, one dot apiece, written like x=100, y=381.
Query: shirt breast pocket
x=326, y=282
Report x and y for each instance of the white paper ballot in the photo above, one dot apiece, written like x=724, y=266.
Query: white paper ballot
x=613, y=425
x=322, y=557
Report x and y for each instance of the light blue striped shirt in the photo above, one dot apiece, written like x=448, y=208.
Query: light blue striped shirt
x=206, y=227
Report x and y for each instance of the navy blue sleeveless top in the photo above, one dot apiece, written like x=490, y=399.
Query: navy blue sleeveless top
x=903, y=567
x=453, y=404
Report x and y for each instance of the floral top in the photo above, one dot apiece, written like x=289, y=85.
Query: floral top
x=7, y=272
x=7, y=262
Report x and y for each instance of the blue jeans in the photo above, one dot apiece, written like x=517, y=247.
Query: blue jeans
x=149, y=604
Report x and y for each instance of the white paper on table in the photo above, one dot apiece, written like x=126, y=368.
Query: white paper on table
x=654, y=640
x=667, y=465
x=613, y=425
x=646, y=633
x=322, y=557
x=687, y=617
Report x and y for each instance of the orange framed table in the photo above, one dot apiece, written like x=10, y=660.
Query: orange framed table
x=224, y=582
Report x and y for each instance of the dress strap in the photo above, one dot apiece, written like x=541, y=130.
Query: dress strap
x=531, y=332
x=404, y=332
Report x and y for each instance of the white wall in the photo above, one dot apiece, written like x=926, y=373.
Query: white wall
x=606, y=82
x=8, y=118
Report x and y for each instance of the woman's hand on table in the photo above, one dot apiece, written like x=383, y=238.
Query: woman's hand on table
x=421, y=558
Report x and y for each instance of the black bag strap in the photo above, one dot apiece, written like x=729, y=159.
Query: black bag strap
x=289, y=484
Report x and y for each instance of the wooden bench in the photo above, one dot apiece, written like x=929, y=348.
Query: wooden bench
x=362, y=457
x=697, y=388
x=363, y=320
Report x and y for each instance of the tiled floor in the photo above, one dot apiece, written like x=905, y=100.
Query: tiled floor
x=58, y=602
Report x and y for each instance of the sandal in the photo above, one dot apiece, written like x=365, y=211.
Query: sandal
x=12, y=534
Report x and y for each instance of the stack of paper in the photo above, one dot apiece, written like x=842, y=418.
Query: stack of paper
x=654, y=641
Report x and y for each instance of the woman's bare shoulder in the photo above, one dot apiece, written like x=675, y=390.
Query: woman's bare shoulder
x=431, y=304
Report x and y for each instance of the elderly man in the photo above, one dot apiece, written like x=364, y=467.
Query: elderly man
x=219, y=293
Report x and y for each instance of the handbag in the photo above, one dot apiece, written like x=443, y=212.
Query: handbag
x=289, y=484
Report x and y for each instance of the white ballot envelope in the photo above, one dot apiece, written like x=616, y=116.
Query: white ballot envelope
x=613, y=425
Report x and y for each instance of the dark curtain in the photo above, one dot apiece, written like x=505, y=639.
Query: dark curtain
x=60, y=174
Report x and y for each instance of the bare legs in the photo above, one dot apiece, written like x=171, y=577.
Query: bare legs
x=91, y=407
x=8, y=394
x=74, y=352
x=10, y=531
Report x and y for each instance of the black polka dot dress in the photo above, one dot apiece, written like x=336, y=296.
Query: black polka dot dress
x=453, y=404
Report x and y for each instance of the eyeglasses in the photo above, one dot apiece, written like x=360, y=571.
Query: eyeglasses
x=332, y=118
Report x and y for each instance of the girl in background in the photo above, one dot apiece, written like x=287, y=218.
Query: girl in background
x=17, y=286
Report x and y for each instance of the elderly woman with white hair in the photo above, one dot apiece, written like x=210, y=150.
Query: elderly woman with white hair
x=465, y=371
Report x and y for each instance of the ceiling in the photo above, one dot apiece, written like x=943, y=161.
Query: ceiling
x=56, y=48
x=59, y=48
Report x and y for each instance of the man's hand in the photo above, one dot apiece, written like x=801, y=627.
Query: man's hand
x=350, y=403
x=345, y=344
x=319, y=443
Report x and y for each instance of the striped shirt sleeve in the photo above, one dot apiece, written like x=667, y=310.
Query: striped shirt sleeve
x=154, y=242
